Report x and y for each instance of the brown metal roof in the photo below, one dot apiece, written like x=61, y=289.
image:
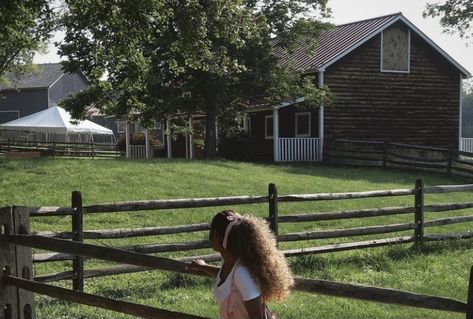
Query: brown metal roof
x=333, y=43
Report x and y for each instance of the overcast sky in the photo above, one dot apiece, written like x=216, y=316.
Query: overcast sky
x=344, y=11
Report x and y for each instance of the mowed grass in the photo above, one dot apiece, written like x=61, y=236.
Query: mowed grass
x=440, y=269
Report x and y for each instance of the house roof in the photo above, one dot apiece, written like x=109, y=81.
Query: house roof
x=335, y=43
x=47, y=74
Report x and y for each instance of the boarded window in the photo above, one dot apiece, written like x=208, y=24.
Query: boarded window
x=303, y=124
x=268, y=126
x=395, y=49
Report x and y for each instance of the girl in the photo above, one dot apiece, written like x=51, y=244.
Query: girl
x=253, y=271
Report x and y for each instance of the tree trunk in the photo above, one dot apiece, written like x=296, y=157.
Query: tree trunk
x=210, y=127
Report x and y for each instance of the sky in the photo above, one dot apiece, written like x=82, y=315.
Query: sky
x=344, y=11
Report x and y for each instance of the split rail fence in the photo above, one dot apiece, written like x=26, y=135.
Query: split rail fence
x=16, y=241
x=397, y=155
x=62, y=149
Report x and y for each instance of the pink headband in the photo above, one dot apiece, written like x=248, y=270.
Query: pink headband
x=233, y=220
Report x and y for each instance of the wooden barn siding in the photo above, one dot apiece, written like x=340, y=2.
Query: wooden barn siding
x=421, y=107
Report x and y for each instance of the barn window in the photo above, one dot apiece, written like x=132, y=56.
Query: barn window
x=395, y=49
x=303, y=124
x=268, y=127
x=121, y=127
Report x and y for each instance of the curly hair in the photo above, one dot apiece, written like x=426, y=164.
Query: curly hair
x=252, y=241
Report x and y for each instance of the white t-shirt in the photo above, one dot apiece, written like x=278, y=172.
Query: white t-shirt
x=244, y=281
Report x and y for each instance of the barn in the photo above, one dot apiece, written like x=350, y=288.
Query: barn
x=389, y=82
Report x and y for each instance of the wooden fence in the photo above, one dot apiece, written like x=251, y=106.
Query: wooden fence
x=18, y=288
x=396, y=155
x=67, y=149
x=56, y=241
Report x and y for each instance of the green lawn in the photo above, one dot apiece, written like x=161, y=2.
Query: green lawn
x=438, y=269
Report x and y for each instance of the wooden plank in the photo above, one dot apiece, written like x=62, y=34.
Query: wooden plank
x=359, y=213
x=78, y=236
x=447, y=207
x=356, y=231
x=465, y=235
x=419, y=147
x=98, y=301
x=417, y=159
x=98, y=252
x=273, y=208
x=469, y=299
x=338, y=196
x=376, y=294
x=174, y=203
x=50, y=211
x=417, y=164
x=129, y=232
x=144, y=249
x=8, y=293
x=348, y=246
x=24, y=264
x=448, y=221
x=444, y=189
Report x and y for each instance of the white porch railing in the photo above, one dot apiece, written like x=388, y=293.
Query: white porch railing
x=295, y=149
x=466, y=145
x=138, y=151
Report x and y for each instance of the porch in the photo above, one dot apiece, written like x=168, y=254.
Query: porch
x=294, y=149
x=304, y=147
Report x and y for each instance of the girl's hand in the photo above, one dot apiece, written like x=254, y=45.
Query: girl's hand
x=196, y=265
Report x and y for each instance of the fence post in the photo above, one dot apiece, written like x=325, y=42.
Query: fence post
x=385, y=153
x=419, y=211
x=469, y=300
x=24, y=263
x=450, y=161
x=8, y=294
x=8, y=145
x=273, y=208
x=77, y=235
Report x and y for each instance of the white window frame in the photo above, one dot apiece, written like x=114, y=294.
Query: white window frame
x=408, y=54
x=119, y=123
x=297, y=124
x=266, y=136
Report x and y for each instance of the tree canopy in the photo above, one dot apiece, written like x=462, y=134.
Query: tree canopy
x=455, y=15
x=140, y=56
x=25, y=26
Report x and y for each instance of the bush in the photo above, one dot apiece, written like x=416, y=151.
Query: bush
x=235, y=147
x=135, y=139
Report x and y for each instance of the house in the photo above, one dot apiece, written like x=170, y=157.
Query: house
x=389, y=81
x=34, y=92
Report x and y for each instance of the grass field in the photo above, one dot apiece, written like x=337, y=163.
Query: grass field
x=440, y=269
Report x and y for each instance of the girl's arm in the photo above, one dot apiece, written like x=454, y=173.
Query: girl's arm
x=200, y=265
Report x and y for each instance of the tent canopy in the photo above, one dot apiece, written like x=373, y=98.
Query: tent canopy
x=54, y=120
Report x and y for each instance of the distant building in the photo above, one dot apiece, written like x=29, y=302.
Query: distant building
x=34, y=92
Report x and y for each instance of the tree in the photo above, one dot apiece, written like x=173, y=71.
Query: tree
x=25, y=25
x=154, y=50
x=455, y=15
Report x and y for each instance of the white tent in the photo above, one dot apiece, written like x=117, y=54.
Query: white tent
x=54, y=124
